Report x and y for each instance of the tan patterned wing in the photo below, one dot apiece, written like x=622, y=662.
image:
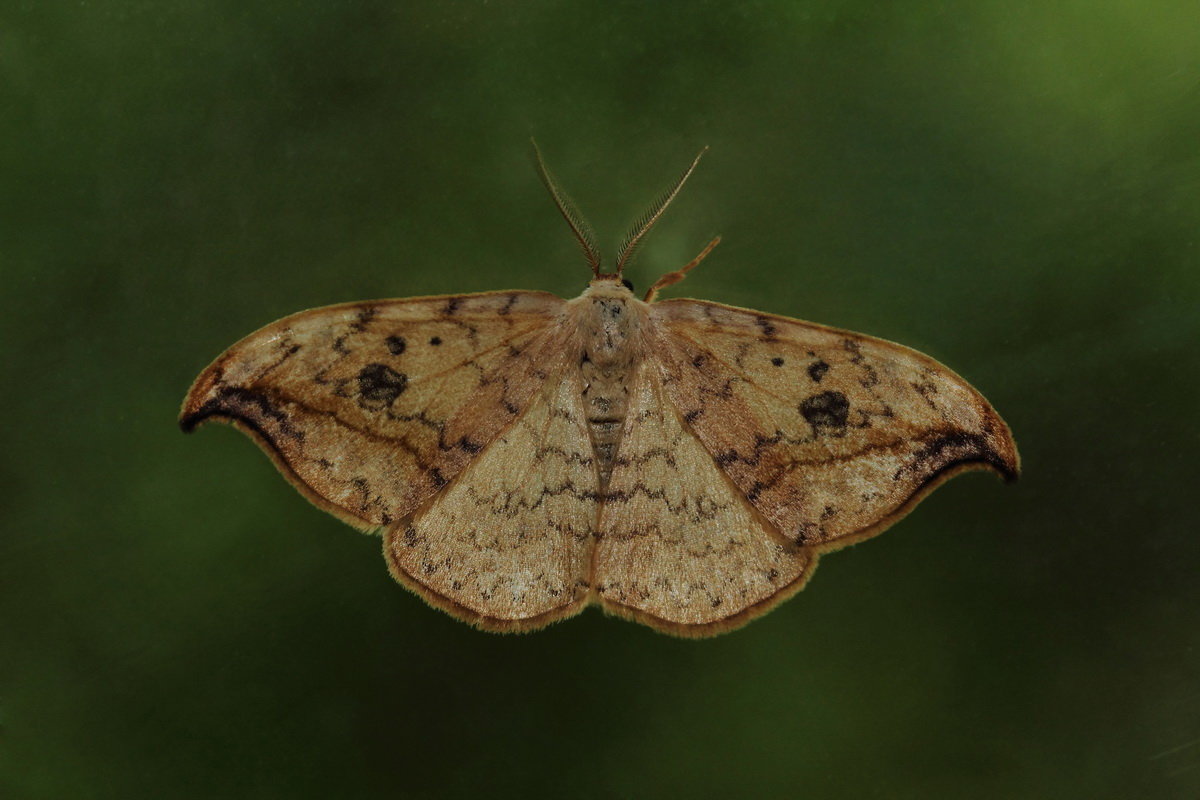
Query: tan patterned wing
x=507, y=545
x=831, y=435
x=680, y=548
x=369, y=409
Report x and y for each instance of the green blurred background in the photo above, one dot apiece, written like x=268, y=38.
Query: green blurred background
x=1012, y=187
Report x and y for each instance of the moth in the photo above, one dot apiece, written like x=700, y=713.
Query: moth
x=680, y=463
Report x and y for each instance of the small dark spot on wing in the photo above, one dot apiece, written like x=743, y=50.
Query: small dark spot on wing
x=363, y=318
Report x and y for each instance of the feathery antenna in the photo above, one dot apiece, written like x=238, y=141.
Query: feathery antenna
x=583, y=233
x=647, y=220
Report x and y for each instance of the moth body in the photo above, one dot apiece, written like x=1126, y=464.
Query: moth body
x=610, y=319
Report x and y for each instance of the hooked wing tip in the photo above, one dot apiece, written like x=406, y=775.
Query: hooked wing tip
x=1002, y=452
x=951, y=452
x=189, y=421
x=202, y=400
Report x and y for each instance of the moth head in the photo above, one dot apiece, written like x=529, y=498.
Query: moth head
x=633, y=239
x=610, y=285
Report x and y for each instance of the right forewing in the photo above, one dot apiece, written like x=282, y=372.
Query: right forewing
x=830, y=434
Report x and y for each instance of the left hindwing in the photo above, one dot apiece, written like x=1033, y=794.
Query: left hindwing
x=831, y=435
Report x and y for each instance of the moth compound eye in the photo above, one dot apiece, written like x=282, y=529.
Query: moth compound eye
x=628, y=284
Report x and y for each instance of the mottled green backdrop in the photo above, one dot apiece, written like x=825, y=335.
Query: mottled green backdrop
x=1013, y=187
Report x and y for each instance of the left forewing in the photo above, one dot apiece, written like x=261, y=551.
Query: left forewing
x=831, y=435
x=371, y=408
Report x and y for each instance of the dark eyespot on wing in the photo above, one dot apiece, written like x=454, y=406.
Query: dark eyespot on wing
x=826, y=412
x=379, y=384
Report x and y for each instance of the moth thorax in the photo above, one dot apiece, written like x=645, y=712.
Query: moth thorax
x=608, y=331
